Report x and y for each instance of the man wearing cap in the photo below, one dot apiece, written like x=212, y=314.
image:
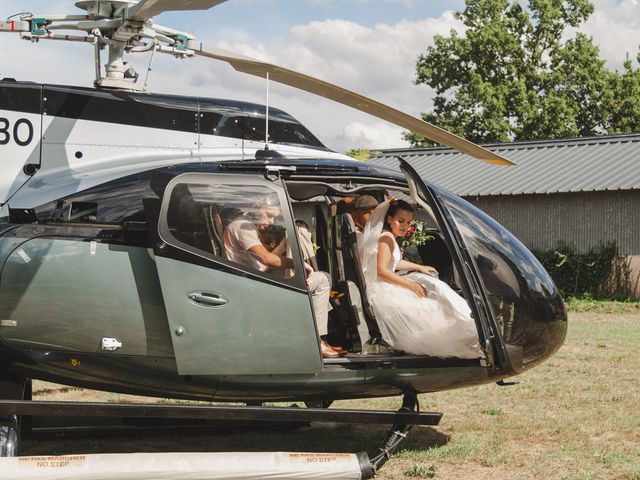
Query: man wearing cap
x=363, y=207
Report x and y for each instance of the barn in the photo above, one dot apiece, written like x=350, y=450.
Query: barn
x=583, y=192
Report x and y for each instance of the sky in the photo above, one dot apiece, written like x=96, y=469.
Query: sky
x=367, y=46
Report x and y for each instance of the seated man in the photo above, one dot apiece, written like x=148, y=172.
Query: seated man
x=362, y=208
x=242, y=244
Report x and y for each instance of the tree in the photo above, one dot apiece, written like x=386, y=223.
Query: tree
x=518, y=74
x=625, y=113
x=362, y=154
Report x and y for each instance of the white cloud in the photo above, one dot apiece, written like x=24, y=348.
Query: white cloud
x=326, y=3
x=615, y=28
x=378, y=62
x=371, y=136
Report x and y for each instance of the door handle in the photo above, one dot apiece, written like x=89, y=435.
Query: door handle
x=207, y=299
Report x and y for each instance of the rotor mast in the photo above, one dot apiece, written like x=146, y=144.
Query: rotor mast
x=120, y=26
x=126, y=38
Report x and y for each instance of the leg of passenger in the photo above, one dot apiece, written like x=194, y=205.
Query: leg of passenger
x=320, y=289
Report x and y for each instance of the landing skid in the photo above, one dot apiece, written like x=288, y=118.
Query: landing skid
x=402, y=420
x=404, y=416
x=8, y=436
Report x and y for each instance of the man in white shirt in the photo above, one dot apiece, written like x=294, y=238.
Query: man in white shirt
x=243, y=245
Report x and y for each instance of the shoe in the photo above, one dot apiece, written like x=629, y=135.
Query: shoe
x=337, y=348
x=377, y=348
x=327, y=351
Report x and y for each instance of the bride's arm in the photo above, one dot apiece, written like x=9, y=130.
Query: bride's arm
x=414, y=267
x=385, y=251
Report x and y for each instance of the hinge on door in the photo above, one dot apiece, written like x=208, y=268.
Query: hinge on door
x=488, y=353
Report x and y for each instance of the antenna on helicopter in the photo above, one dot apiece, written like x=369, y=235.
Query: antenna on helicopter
x=266, y=130
x=266, y=153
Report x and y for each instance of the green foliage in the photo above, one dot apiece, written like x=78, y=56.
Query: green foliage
x=362, y=154
x=492, y=411
x=587, y=275
x=421, y=471
x=519, y=73
x=458, y=448
x=602, y=306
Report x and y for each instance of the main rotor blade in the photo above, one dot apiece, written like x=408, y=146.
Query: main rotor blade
x=351, y=99
x=17, y=26
x=146, y=9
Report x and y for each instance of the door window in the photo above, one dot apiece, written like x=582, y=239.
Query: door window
x=238, y=223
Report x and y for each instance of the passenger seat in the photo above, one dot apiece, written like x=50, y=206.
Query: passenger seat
x=350, y=239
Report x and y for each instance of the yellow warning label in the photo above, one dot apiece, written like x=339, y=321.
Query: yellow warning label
x=320, y=457
x=52, y=462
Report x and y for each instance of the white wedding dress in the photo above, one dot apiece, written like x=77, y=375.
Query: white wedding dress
x=439, y=325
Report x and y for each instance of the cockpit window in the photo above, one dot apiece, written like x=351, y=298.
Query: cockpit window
x=113, y=202
x=282, y=129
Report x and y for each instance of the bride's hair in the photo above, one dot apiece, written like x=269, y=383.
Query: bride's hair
x=394, y=206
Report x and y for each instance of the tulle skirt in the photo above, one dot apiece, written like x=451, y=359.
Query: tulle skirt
x=439, y=325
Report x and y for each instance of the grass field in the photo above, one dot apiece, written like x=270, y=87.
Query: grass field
x=575, y=417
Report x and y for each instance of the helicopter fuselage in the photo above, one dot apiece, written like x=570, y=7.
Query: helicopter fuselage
x=107, y=283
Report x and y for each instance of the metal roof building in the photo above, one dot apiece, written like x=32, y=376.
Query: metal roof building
x=582, y=192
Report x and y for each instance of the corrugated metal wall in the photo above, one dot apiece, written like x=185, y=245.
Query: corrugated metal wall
x=582, y=219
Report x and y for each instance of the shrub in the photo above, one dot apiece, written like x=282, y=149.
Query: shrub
x=599, y=273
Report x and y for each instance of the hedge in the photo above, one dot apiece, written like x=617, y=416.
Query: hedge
x=600, y=273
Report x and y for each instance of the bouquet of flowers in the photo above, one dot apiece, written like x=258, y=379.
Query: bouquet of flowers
x=416, y=235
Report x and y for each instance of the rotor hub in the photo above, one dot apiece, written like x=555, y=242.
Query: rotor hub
x=103, y=8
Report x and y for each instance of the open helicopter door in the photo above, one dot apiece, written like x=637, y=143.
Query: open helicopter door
x=465, y=257
x=228, y=314
x=20, y=134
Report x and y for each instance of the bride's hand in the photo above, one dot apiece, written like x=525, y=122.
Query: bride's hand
x=418, y=289
x=429, y=270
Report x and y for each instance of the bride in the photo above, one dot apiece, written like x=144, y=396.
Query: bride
x=416, y=313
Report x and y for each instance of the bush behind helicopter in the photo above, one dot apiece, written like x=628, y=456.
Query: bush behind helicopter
x=106, y=284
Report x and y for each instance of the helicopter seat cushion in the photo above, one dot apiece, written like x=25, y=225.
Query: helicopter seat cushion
x=353, y=271
x=215, y=230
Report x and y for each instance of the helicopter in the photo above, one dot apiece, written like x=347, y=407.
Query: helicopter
x=114, y=273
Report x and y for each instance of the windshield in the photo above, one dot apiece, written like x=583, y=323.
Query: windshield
x=524, y=299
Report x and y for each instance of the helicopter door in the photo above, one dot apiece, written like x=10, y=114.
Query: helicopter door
x=230, y=313
x=466, y=258
x=20, y=132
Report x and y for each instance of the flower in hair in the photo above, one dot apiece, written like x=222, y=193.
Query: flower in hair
x=389, y=197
